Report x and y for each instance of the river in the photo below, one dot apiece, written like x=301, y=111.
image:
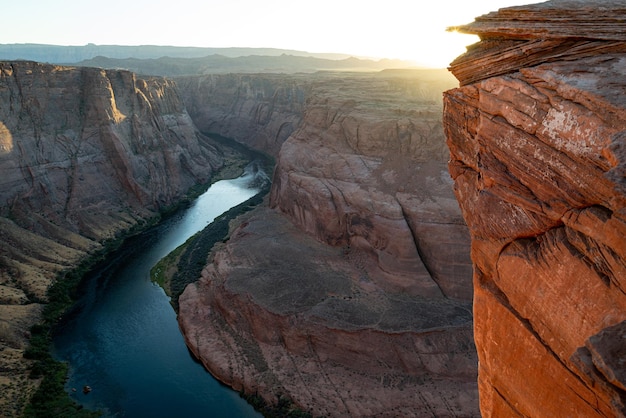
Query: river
x=122, y=338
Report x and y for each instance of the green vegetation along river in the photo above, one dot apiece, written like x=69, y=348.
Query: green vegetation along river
x=122, y=338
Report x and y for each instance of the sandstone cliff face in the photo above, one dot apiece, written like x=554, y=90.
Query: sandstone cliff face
x=351, y=293
x=365, y=168
x=367, y=171
x=259, y=110
x=537, y=154
x=84, y=155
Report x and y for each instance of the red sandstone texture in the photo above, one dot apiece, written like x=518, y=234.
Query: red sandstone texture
x=538, y=156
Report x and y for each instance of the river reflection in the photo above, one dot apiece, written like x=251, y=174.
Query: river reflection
x=122, y=338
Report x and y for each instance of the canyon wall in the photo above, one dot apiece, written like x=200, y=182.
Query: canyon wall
x=85, y=155
x=537, y=140
x=351, y=293
x=259, y=110
x=366, y=171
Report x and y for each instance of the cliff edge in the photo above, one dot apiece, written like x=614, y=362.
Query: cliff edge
x=537, y=135
x=85, y=155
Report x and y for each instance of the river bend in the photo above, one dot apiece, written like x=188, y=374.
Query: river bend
x=122, y=338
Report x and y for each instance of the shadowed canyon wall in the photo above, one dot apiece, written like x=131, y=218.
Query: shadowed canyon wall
x=85, y=154
x=259, y=110
x=351, y=293
x=537, y=140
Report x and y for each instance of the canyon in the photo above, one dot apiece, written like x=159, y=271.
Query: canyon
x=536, y=134
x=360, y=256
x=350, y=294
x=401, y=265
x=86, y=156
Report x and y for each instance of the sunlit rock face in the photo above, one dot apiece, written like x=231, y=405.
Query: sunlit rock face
x=537, y=141
x=351, y=294
x=85, y=154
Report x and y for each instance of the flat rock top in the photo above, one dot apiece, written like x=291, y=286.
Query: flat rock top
x=577, y=19
x=288, y=272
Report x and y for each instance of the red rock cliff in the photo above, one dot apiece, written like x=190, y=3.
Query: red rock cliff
x=537, y=134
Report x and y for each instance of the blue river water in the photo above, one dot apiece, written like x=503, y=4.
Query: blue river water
x=122, y=337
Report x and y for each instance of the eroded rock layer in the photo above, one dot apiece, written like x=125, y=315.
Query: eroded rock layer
x=537, y=156
x=556, y=30
x=85, y=154
x=350, y=295
x=366, y=171
x=279, y=313
x=259, y=110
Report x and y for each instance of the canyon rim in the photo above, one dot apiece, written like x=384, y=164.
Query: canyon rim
x=536, y=134
x=349, y=291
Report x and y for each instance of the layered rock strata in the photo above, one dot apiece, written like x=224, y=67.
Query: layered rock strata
x=85, y=154
x=351, y=294
x=367, y=171
x=259, y=110
x=277, y=313
x=523, y=36
x=537, y=155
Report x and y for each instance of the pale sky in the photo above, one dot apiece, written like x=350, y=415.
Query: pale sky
x=406, y=29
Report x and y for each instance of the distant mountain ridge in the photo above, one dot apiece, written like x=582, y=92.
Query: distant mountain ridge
x=65, y=54
x=220, y=64
x=70, y=54
x=172, y=61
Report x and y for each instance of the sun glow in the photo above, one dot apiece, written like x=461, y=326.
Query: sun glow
x=443, y=49
x=402, y=29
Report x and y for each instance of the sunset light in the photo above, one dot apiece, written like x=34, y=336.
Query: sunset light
x=6, y=140
x=393, y=29
x=331, y=208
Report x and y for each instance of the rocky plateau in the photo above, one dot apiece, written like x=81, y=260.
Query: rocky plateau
x=537, y=141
